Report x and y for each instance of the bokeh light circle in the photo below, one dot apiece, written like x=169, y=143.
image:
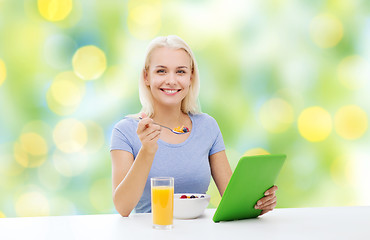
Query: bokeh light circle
x=39, y=127
x=70, y=135
x=32, y=204
x=54, y=10
x=315, y=124
x=353, y=72
x=276, y=115
x=34, y=144
x=351, y=122
x=2, y=72
x=326, y=30
x=144, y=19
x=31, y=150
x=89, y=62
x=65, y=93
x=255, y=151
x=20, y=155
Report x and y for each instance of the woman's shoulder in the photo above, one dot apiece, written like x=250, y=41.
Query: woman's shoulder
x=204, y=117
x=206, y=126
x=124, y=135
x=127, y=123
x=204, y=120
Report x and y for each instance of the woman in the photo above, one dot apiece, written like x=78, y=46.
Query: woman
x=168, y=89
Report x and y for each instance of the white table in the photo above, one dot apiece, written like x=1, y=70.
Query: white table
x=287, y=223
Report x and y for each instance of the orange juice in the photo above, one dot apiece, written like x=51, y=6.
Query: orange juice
x=162, y=205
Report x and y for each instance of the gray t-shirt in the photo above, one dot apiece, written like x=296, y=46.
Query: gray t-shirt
x=186, y=162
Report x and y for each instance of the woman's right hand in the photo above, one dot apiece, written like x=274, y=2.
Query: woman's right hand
x=148, y=134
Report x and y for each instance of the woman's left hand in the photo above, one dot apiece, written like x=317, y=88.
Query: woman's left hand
x=268, y=202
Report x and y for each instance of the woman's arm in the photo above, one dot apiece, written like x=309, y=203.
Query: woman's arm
x=129, y=179
x=220, y=170
x=129, y=176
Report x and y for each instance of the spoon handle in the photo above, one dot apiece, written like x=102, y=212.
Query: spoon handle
x=139, y=118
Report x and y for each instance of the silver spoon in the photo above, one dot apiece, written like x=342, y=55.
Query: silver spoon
x=185, y=130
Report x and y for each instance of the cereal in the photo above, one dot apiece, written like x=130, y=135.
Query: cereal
x=192, y=196
x=181, y=129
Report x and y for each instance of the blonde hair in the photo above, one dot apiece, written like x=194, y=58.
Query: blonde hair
x=190, y=103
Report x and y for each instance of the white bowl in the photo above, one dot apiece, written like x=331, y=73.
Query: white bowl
x=188, y=208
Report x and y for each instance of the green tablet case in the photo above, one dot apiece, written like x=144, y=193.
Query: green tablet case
x=252, y=177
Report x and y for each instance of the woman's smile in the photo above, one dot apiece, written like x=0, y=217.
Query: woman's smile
x=169, y=91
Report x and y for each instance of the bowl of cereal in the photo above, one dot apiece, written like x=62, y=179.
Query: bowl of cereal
x=189, y=205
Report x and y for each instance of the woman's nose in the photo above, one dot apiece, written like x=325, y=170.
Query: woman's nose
x=171, y=79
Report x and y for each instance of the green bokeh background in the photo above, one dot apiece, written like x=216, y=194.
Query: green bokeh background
x=248, y=53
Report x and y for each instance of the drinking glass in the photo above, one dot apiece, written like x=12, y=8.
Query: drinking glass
x=162, y=202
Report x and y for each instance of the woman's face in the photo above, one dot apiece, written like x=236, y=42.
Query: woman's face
x=169, y=75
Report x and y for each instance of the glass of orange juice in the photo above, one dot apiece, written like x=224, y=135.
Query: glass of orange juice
x=162, y=202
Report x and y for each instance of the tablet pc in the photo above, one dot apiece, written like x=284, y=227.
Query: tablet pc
x=253, y=175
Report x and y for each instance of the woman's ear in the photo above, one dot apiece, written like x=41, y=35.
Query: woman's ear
x=146, y=79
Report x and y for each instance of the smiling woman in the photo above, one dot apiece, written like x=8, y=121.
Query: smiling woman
x=169, y=87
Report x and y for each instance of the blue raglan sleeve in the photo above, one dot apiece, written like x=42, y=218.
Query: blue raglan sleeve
x=218, y=144
x=122, y=137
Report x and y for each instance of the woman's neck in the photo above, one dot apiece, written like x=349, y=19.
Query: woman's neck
x=171, y=117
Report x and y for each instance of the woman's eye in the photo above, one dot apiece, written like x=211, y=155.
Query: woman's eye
x=181, y=71
x=161, y=71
